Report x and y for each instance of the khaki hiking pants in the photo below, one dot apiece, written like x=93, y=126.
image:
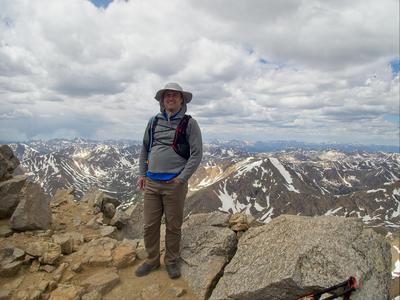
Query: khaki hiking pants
x=169, y=198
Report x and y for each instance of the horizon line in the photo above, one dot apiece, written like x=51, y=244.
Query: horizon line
x=207, y=140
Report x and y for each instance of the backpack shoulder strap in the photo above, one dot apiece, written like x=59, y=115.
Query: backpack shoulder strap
x=180, y=132
x=153, y=123
x=180, y=144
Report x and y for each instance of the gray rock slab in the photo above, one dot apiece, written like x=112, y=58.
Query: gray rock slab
x=101, y=282
x=33, y=211
x=66, y=292
x=107, y=199
x=10, y=261
x=62, y=196
x=120, y=219
x=133, y=229
x=293, y=255
x=48, y=253
x=68, y=241
x=8, y=162
x=205, y=250
x=10, y=269
x=108, y=231
x=108, y=210
x=10, y=195
x=98, y=252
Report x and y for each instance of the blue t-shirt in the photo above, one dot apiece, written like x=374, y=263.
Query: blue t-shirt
x=161, y=176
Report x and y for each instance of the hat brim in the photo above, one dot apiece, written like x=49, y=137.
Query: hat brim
x=187, y=96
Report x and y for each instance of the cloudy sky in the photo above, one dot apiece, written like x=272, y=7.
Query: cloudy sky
x=305, y=70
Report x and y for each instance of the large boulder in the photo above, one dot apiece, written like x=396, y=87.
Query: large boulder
x=207, y=246
x=33, y=211
x=98, y=199
x=129, y=222
x=134, y=227
x=10, y=195
x=8, y=162
x=108, y=199
x=294, y=255
x=10, y=261
x=106, y=252
x=109, y=210
x=102, y=282
x=48, y=253
x=62, y=196
x=120, y=219
x=69, y=241
x=98, y=252
x=124, y=254
x=67, y=292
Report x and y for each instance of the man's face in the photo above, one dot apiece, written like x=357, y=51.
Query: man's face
x=172, y=101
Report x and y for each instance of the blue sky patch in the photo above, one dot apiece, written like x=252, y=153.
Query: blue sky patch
x=392, y=118
x=395, y=65
x=101, y=3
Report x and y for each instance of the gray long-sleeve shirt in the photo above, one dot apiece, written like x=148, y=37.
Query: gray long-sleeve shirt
x=162, y=158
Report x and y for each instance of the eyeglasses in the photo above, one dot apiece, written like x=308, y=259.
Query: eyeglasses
x=172, y=94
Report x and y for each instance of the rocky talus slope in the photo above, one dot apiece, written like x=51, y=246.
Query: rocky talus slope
x=89, y=250
x=78, y=257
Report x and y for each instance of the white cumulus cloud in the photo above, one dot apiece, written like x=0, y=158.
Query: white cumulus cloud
x=315, y=70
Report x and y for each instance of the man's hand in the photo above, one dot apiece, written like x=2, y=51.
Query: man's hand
x=141, y=182
x=176, y=180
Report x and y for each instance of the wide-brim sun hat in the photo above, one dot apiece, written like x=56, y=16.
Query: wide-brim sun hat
x=187, y=96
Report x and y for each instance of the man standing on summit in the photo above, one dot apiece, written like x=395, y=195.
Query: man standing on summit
x=171, y=153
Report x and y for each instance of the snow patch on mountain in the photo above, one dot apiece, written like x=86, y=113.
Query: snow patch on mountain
x=258, y=207
x=257, y=183
x=332, y=212
x=229, y=202
x=376, y=190
x=103, y=148
x=367, y=218
x=214, y=174
x=246, y=167
x=84, y=153
x=332, y=155
x=269, y=212
x=396, y=271
x=322, y=189
x=379, y=200
x=267, y=217
x=228, y=152
x=396, y=212
x=286, y=175
x=344, y=179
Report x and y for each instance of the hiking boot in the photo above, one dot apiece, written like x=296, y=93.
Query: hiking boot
x=174, y=271
x=145, y=269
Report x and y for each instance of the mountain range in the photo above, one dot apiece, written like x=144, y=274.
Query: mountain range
x=231, y=178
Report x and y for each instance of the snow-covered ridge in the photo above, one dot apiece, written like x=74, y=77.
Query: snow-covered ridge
x=305, y=174
x=264, y=184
